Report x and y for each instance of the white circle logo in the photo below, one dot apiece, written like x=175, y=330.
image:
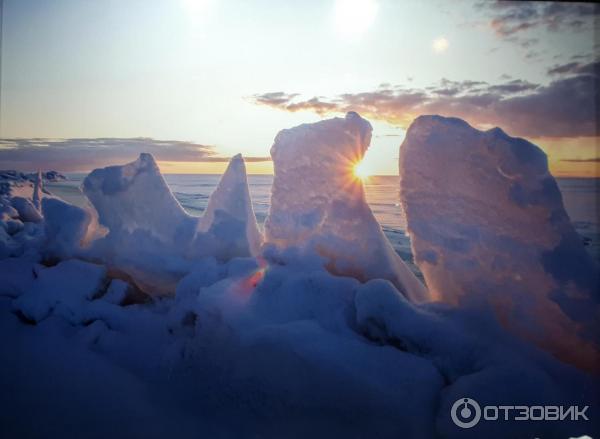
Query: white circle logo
x=465, y=412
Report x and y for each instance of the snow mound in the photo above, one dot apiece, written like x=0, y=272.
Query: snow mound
x=317, y=202
x=20, y=227
x=68, y=228
x=61, y=290
x=476, y=358
x=487, y=225
x=151, y=238
x=21, y=222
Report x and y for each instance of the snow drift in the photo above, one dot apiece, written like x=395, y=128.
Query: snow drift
x=487, y=224
x=318, y=203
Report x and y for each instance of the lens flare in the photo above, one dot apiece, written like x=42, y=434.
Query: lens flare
x=361, y=171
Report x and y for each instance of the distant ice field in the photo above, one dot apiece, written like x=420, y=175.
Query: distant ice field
x=193, y=190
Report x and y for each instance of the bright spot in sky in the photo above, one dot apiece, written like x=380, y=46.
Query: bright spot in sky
x=362, y=171
x=440, y=44
x=196, y=8
x=352, y=18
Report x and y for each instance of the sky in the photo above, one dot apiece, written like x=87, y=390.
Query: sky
x=87, y=83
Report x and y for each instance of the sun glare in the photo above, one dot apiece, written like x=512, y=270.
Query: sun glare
x=353, y=17
x=361, y=171
x=196, y=8
x=440, y=44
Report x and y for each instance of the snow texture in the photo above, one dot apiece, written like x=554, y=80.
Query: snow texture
x=117, y=292
x=488, y=226
x=318, y=202
x=285, y=349
x=62, y=290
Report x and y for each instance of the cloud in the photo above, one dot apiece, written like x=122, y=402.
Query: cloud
x=528, y=42
x=278, y=97
x=226, y=159
x=566, y=107
x=314, y=104
x=564, y=68
x=509, y=18
x=576, y=68
x=514, y=86
x=591, y=160
x=71, y=155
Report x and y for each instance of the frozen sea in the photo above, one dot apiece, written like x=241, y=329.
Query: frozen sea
x=580, y=197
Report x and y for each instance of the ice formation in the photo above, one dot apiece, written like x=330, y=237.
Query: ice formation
x=229, y=216
x=317, y=202
x=151, y=238
x=21, y=226
x=68, y=229
x=38, y=186
x=20, y=183
x=135, y=198
x=487, y=225
x=274, y=338
x=26, y=209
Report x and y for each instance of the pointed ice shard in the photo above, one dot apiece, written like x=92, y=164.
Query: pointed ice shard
x=487, y=224
x=134, y=197
x=149, y=233
x=151, y=238
x=37, y=190
x=229, y=214
x=318, y=202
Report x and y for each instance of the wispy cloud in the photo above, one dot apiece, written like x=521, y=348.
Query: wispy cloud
x=566, y=107
x=590, y=160
x=84, y=154
x=576, y=68
x=226, y=159
x=509, y=18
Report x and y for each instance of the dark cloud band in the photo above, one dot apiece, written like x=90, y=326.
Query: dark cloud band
x=71, y=155
x=566, y=107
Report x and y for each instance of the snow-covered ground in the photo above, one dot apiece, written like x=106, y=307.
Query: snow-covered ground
x=129, y=317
